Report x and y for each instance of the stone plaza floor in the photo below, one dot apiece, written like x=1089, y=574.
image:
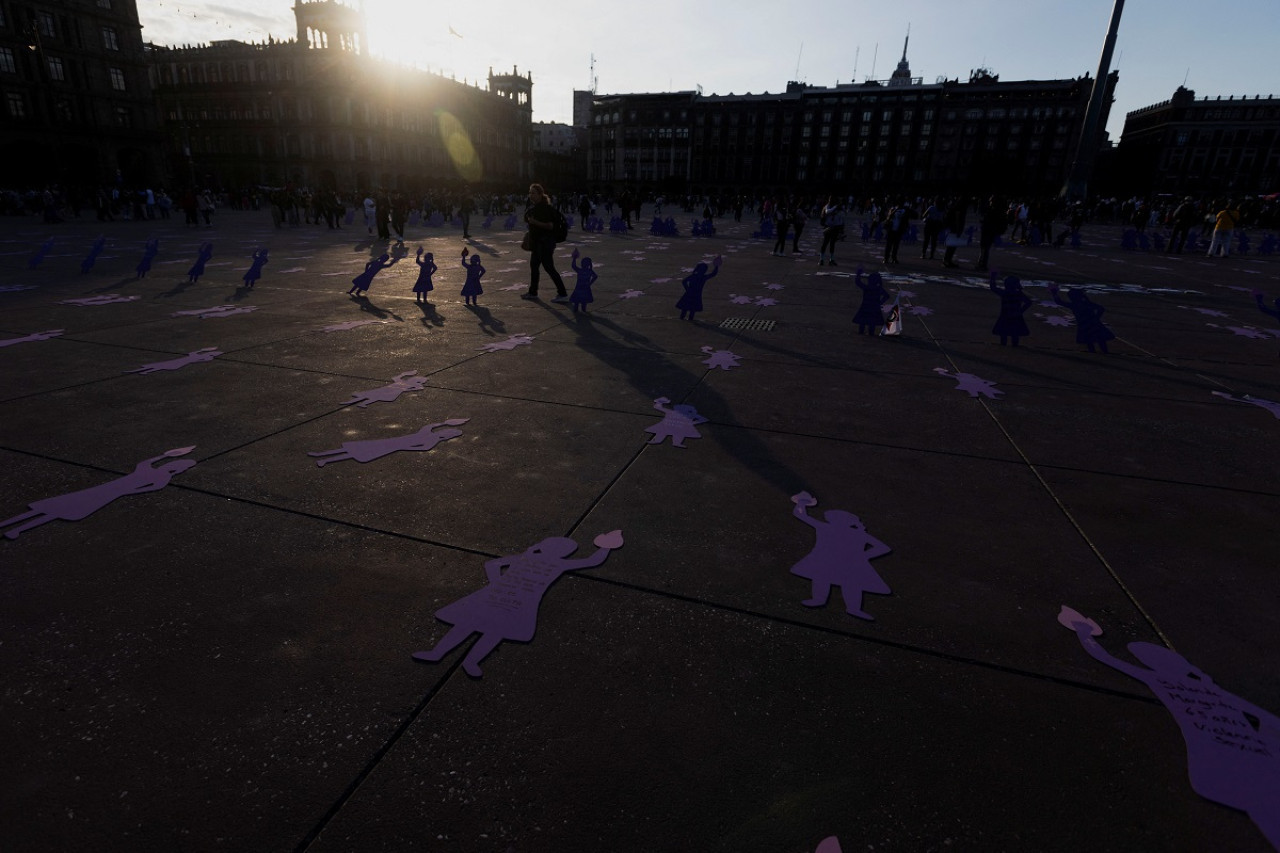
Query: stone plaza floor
x=218, y=655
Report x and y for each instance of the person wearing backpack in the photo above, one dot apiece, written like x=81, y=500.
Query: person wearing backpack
x=545, y=226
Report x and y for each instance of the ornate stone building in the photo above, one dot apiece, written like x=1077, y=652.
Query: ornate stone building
x=77, y=105
x=1226, y=146
x=900, y=134
x=317, y=111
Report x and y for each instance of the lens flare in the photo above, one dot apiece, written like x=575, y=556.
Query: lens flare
x=457, y=143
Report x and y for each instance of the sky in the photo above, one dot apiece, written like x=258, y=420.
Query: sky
x=758, y=45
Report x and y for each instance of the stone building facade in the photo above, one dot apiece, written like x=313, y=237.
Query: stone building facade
x=1185, y=145
x=77, y=109
x=317, y=111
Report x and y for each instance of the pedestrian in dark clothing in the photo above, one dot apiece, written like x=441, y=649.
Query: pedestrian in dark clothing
x=541, y=218
x=955, y=230
x=994, y=223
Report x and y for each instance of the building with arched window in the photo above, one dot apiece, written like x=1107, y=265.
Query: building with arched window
x=317, y=111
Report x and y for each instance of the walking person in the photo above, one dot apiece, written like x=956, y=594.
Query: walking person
x=798, y=219
x=955, y=230
x=781, y=222
x=933, y=222
x=832, y=230
x=542, y=219
x=1224, y=227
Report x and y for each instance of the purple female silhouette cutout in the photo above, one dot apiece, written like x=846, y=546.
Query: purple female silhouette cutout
x=471, y=288
x=362, y=282
x=1273, y=408
x=841, y=557
x=582, y=288
x=388, y=393
x=94, y=250
x=507, y=608
x=870, y=315
x=149, y=253
x=1013, y=304
x=1233, y=746
x=367, y=451
x=1090, y=330
x=353, y=324
x=34, y=336
x=36, y=259
x=975, y=386
x=104, y=299
x=720, y=358
x=510, y=343
x=254, y=272
x=198, y=357
x=202, y=258
x=426, y=268
x=677, y=424
x=146, y=477
x=691, y=302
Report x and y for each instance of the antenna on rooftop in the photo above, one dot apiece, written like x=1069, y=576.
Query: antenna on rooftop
x=594, y=80
x=874, y=57
x=797, y=74
x=856, y=51
x=1185, y=76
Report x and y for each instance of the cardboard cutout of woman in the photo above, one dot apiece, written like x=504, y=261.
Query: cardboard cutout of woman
x=149, y=253
x=471, y=288
x=507, y=608
x=254, y=272
x=200, y=356
x=202, y=258
x=1013, y=304
x=1090, y=330
x=94, y=250
x=691, y=302
x=869, y=315
x=426, y=268
x=407, y=381
x=362, y=282
x=841, y=557
x=582, y=288
x=677, y=424
x=367, y=451
x=146, y=477
x=48, y=334
x=1233, y=746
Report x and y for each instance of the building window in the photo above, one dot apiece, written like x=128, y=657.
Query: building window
x=7, y=64
x=44, y=21
x=117, y=79
x=104, y=4
x=123, y=117
x=64, y=112
x=110, y=40
x=17, y=106
x=866, y=116
x=56, y=71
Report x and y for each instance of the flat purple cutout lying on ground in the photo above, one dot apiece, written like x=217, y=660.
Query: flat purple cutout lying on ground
x=509, y=344
x=198, y=357
x=841, y=557
x=720, y=358
x=367, y=451
x=243, y=309
x=828, y=845
x=353, y=324
x=919, y=311
x=79, y=505
x=104, y=299
x=407, y=381
x=34, y=336
x=975, y=386
x=631, y=294
x=1233, y=746
x=677, y=424
x=1273, y=408
x=507, y=608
